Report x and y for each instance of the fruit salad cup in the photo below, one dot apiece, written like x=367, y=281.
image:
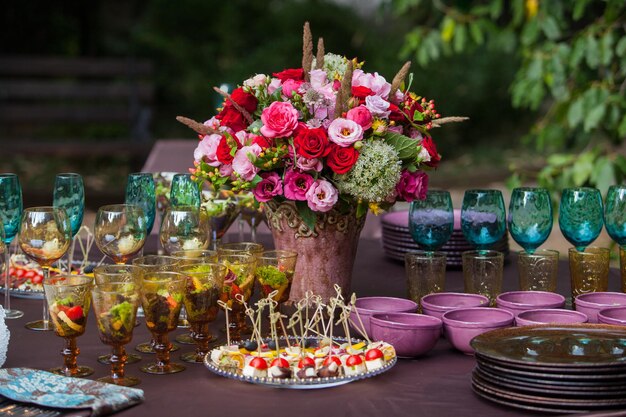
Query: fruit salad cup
x=274, y=272
x=162, y=298
x=115, y=306
x=68, y=298
x=203, y=288
x=238, y=286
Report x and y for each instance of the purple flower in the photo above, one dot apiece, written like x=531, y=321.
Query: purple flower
x=269, y=187
x=412, y=185
x=321, y=196
x=296, y=185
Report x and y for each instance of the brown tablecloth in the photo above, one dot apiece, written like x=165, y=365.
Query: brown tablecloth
x=438, y=384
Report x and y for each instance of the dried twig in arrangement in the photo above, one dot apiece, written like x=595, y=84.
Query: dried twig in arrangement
x=319, y=58
x=345, y=91
x=240, y=109
x=197, y=127
x=451, y=119
x=307, y=51
x=400, y=76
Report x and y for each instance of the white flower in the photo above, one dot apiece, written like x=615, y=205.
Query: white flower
x=423, y=155
x=378, y=106
x=256, y=81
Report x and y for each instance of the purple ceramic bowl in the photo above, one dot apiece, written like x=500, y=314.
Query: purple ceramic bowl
x=549, y=316
x=438, y=303
x=613, y=315
x=410, y=334
x=367, y=306
x=591, y=303
x=462, y=325
x=518, y=301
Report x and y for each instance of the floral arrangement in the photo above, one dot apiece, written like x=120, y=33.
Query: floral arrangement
x=327, y=136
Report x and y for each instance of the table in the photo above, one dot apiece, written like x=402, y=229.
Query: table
x=438, y=384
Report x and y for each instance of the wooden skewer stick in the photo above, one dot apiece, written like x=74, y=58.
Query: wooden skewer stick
x=226, y=309
x=361, y=327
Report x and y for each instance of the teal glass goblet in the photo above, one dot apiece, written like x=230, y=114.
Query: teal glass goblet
x=69, y=194
x=431, y=221
x=530, y=217
x=615, y=222
x=10, y=216
x=184, y=191
x=581, y=216
x=483, y=218
x=140, y=191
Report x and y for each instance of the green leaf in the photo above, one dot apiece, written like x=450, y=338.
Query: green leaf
x=530, y=32
x=582, y=169
x=550, y=27
x=496, y=8
x=603, y=174
x=579, y=8
x=575, y=113
x=476, y=33
x=256, y=180
x=447, y=29
x=592, y=51
x=513, y=181
x=620, y=48
x=606, y=48
x=460, y=36
x=404, y=145
x=559, y=160
x=361, y=209
x=309, y=217
x=595, y=115
x=621, y=130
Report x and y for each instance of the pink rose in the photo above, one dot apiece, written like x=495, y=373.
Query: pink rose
x=207, y=150
x=269, y=187
x=344, y=132
x=361, y=115
x=296, y=185
x=374, y=82
x=242, y=163
x=412, y=185
x=309, y=164
x=321, y=196
x=378, y=106
x=279, y=120
x=226, y=170
x=291, y=86
x=274, y=85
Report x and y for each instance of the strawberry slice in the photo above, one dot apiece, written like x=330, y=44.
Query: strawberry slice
x=75, y=313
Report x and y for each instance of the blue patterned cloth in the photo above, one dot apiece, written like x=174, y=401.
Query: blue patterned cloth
x=50, y=390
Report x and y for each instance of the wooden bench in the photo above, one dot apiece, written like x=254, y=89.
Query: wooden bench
x=75, y=107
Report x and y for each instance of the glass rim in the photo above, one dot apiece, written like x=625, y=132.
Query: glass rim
x=590, y=250
x=287, y=253
x=483, y=254
x=438, y=191
x=141, y=174
x=45, y=209
x=119, y=268
x=115, y=284
x=245, y=257
x=57, y=280
x=115, y=208
x=538, y=253
x=8, y=175
x=136, y=262
x=534, y=189
x=183, y=266
x=575, y=189
x=182, y=208
x=483, y=190
x=168, y=276
x=424, y=254
x=68, y=175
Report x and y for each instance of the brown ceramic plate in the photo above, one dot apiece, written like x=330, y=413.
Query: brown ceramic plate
x=549, y=388
x=567, y=346
x=582, y=404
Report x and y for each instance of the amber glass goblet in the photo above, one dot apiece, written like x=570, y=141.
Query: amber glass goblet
x=274, y=272
x=120, y=231
x=115, y=306
x=45, y=236
x=162, y=298
x=154, y=263
x=238, y=286
x=203, y=288
x=237, y=248
x=69, y=298
x=109, y=274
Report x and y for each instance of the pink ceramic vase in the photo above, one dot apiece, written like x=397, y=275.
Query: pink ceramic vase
x=325, y=254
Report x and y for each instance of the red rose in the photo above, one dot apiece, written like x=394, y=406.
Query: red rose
x=245, y=100
x=230, y=117
x=290, y=74
x=396, y=114
x=340, y=159
x=429, y=144
x=311, y=143
x=223, y=151
x=262, y=141
x=362, y=92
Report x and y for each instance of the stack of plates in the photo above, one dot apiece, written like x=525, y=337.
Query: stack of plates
x=397, y=239
x=554, y=368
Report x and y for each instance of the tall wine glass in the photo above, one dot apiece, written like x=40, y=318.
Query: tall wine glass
x=431, y=221
x=615, y=221
x=184, y=191
x=140, y=191
x=483, y=218
x=184, y=228
x=581, y=216
x=69, y=298
x=10, y=214
x=530, y=217
x=45, y=236
x=69, y=194
x=120, y=231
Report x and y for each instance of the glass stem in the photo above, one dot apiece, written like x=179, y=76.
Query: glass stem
x=70, y=257
x=253, y=226
x=7, y=293
x=69, y=353
x=46, y=314
x=241, y=225
x=118, y=361
x=162, y=347
x=200, y=334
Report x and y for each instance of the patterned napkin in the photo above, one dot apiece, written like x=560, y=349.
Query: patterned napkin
x=50, y=390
